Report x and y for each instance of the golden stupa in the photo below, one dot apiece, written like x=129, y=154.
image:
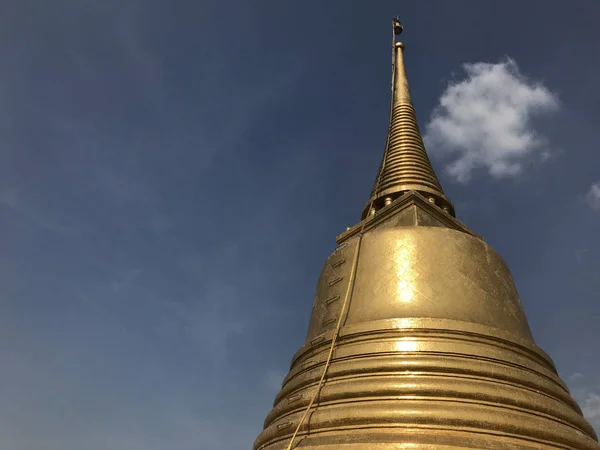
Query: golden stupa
x=417, y=337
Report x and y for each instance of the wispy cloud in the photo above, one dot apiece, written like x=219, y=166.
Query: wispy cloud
x=215, y=319
x=587, y=276
x=591, y=408
x=587, y=394
x=273, y=380
x=52, y=411
x=484, y=121
x=11, y=199
x=593, y=196
x=576, y=377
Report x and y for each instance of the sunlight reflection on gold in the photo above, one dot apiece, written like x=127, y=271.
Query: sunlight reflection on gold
x=403, y=322
x=405, y=271
x=407, y=345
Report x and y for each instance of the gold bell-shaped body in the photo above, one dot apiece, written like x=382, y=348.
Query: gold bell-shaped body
x=434, y=352
x=417, y=338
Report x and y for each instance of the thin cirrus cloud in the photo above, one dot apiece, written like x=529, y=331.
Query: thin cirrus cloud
x=591, y=409
x=593, y=196
x=484, y=121
x=587, y=394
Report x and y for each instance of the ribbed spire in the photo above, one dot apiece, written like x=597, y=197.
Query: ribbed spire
x=405, y=165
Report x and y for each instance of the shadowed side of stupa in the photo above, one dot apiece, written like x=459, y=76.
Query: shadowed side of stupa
x=417, y=337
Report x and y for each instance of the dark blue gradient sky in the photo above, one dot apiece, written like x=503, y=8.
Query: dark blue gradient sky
x=173, y=176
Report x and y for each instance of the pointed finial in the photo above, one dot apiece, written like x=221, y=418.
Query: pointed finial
x=397, y=26
x=405, y=165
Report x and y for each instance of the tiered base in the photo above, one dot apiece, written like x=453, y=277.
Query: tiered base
x=425, y=383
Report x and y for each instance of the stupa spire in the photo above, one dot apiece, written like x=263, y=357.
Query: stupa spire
x=405, y=165
x=417, y=337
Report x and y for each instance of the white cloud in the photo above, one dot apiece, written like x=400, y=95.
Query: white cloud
x=593, y=196
x=587, y=394
x=591, y=409
x=484, y=121
x=576, y=377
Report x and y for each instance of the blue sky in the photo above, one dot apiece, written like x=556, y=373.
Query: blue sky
x=173, y=176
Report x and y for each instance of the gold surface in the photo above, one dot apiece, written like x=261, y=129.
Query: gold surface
x=417, y=339
x=421, y=272
x=435, y=350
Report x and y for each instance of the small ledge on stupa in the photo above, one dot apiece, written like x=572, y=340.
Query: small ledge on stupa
x=409, y=210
